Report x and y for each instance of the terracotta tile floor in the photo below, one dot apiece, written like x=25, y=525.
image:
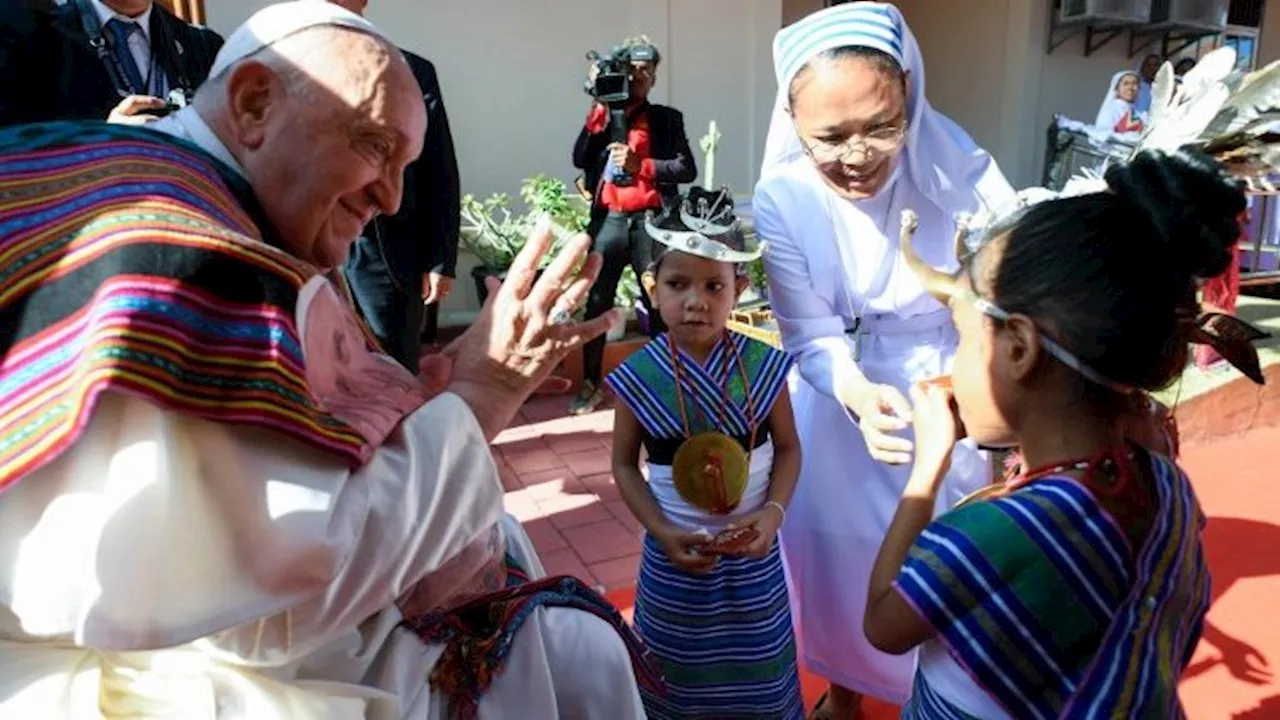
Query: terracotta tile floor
x=559, y=485
x=556, y=472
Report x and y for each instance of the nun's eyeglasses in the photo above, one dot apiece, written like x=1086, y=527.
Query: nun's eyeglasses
x=878, y=142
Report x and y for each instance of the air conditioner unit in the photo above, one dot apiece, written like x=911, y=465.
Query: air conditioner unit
x=1105, y=12
x=1208, y=15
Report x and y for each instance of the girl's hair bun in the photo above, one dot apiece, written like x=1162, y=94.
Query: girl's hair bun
x=1190, y=201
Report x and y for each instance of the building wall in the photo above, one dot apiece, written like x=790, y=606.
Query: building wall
x=987, y=67
x=793, y=10
x=1269, y=42
x=969, y=44
x=964, y=61
x=512, y=71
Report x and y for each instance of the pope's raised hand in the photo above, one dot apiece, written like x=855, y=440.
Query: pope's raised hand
x=525, y=329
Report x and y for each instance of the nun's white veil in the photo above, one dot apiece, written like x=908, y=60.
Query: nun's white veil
x=1112, y=107
x=942, y=160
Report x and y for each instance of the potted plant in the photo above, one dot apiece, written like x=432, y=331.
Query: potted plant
x=628, y=298
x=759, y=281
x=545, y=194
x=495, y=233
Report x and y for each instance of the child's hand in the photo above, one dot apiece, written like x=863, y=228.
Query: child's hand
x=766, y=521
x=730, y=541
x=936, y=420
x=682, y=548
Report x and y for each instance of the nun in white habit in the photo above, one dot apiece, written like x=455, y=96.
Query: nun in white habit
x=853, y=143
x=1119, y=112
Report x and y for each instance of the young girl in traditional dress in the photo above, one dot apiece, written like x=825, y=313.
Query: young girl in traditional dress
x=1078, y=587
x=711, y=410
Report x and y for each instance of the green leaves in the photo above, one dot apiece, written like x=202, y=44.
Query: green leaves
x=495, y=232
x=546, y=194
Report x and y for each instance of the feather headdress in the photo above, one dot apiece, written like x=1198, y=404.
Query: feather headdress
x=1233, y=116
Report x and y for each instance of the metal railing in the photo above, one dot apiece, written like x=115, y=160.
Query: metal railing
x=1258, y=258
x=1070, y=152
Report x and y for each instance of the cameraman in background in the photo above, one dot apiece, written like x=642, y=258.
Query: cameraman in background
x=127, y=61
x=634, y=154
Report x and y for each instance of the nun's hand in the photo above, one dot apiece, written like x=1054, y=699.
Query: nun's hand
x=882, y=410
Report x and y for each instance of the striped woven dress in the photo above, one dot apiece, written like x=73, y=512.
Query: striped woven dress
x=1040, y=599
x=724, y=639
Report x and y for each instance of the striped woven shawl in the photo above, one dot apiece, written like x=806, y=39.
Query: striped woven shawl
x=1039, y=595
x=132, y=262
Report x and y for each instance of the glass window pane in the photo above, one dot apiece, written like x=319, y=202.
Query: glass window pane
x=1245, y=50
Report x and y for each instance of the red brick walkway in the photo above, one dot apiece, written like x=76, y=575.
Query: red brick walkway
x=557, y=474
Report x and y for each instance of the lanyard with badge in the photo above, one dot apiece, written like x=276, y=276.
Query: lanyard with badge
x=119, y=78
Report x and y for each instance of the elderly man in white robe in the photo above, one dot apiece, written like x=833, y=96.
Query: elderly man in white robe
x=216, y=501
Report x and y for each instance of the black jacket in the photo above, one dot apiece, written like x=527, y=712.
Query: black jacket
x=423, y=236
x=48, y=71
x=673, y=161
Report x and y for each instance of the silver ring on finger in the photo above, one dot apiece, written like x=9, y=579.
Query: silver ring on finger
x=560, y=316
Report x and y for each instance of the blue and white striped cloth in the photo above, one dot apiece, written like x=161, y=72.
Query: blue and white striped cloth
x=861, y=24
x=724, y=640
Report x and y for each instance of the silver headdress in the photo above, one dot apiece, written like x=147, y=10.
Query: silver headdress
x=704, y=224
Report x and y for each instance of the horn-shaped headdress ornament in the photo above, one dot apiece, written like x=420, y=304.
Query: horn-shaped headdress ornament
x=947, y=286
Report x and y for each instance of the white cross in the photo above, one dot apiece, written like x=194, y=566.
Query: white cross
x=709, y=143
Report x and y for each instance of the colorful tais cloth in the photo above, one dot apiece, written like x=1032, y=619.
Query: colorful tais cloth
x=129, y=263
x=1222, y=292
x=723, y=639
x=139, y=280
x=646, y=382
x=1040, y=598
x=479, y=634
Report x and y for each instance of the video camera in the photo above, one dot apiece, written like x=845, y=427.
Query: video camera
x=611, y=87
x=612, y=84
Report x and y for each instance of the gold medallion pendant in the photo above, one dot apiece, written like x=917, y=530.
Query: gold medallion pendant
x=710, y=471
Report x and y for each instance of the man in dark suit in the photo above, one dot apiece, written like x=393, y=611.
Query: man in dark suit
x=404, y=265
x=50, y=70
x=655, y=159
